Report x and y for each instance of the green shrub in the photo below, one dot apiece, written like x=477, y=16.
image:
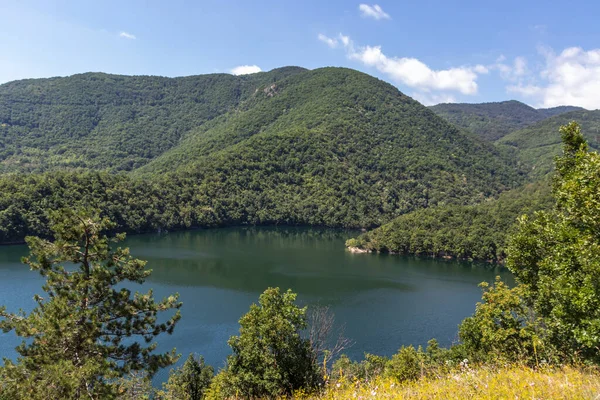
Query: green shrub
x=406, y=365
x=189, y=382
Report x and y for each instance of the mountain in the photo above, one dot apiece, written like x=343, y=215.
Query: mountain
x=551, y=112
x=331, y=146
x=113, y=122
x=493, y=121
x=340, y=137
x=537, y=145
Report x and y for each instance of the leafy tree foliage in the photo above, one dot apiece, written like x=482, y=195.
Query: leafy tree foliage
x=556, y=255
x=189, y=382
x=502, y=328
x=405, y=365
x=78, y=338
x=478, y=232
x=270, y=356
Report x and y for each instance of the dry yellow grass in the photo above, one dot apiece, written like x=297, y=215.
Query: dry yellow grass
x=481, y=383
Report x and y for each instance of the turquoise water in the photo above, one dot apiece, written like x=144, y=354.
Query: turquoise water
x=384, y=301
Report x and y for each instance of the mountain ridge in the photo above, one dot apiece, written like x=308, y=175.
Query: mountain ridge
x=124, y=121
x=494, y=120
x=536, y=145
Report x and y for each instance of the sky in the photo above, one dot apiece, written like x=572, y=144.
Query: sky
x=544, y=53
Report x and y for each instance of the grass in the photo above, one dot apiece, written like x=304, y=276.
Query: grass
x=479, y=383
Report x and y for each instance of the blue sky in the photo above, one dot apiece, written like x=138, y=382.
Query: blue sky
x=545, y=53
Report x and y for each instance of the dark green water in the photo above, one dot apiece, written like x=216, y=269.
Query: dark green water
x=384, y=301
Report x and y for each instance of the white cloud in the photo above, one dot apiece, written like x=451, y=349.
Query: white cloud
x=514, y=72
x=520, y=66
x=413, y=72
x=331, y=42
x=432, y=86
x=481, y=69
x=373, y=11
x=127, y=35
x=430, y=99
x=526, y=90
x=569, y=78
x=245, y=70
x=345, y=39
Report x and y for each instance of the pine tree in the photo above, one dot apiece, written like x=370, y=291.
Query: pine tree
x=88, y=329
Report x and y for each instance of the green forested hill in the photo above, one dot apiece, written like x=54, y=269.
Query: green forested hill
x=537, y=145
x=472, y=232
x=493, y=121
x=331, y=147
x=114, y=122
x=551, y=112
x=337, y=141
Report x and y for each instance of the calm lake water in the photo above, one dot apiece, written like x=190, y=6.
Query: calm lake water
x=384, y=301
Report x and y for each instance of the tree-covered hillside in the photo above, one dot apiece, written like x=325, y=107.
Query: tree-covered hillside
x=551, y=112
x=332, y=147
x=477, y=232
x=114, y=122
x=537, y=145
x=493, y=121
x=337, y=141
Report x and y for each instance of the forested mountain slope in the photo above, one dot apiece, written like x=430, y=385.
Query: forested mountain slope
x=476, y=232
x=551, y=112
x=335, y=133
x=537, y=145
x=114, y=122
x=331, y=147
x=493, y=121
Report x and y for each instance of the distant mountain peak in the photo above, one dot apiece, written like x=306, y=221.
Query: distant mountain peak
x=494, y=120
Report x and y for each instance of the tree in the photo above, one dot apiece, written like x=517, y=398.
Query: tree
x=189, y=382
x=556, y=254
x=502, y=328
x=80, y=337
x=135, y=386
x=270, y=356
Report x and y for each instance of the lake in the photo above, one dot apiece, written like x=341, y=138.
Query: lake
x=383, y=301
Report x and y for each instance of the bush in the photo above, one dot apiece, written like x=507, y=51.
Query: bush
x=406, y=365
x=189, y=382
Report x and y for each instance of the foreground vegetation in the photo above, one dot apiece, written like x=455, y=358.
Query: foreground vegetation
x=87, y=330
x=539, y=338
x=511, y=382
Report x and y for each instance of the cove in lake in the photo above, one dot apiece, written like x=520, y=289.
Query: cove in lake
x=384, y=301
